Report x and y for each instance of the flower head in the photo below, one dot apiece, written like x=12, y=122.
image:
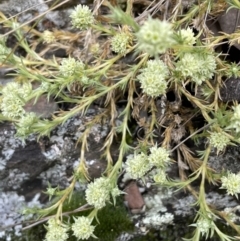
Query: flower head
x=233, y=70
x=45, y=86
x=25, y=123
x=82, y=17
x=153, y=78
x=119, y=43
x=160, y=176
x=219, y=140
x=155, y=36
x=82, y=228
x=231, y=182
x=137, y=165
x=187, y=36
x=14, y=97
x=22, y=91
x=55, y=231
x=12, y=106
x=235, y=120
x=159, y=157
x=25, y=90
x=70, y=66
x=98, y=192
x=48, y=36
x=204, y=225
x=198, y=67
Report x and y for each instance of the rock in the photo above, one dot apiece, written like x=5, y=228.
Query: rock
x=229, y=22
x=26, y=168
x=43, y=108
x=230, y=91
x=28, y=10
x=133, y=198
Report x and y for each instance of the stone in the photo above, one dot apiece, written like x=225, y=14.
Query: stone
x=229, y=22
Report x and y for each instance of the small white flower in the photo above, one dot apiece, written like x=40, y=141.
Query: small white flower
x=198, y=67
x=187, y=36
x=70, y=66
x=219, y=140
x=159, y=157
x=119, y=43
x=25, y=123
x=82, y=228
x=98, y=192
x=14, y=97
x=116, y=192
x=137, y=165
x=155, y=36
x=160, y=176
x=48, y=37
x=82, y=17
x=204, y=225
x=55, y=231
x=45, y=86
x=231, y=182
x=12, y=106
x=153, y=78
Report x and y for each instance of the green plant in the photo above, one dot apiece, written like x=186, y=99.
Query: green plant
x=168, y=58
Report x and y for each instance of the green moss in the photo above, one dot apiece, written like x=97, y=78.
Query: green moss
x=113, y=220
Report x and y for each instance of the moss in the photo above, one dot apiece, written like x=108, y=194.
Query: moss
x=113, y=220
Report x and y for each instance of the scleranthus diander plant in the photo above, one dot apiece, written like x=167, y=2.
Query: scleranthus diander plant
x=137, y=64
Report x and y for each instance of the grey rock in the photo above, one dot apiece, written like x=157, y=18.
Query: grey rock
x=26, y=168
x=229, y=22
x=230, y=91
x=27, y=10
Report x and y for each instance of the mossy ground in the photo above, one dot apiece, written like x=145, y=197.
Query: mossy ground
x=113, y=220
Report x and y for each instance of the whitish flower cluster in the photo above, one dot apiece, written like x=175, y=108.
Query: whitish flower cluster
x=119, y=43
x=70, y=66
x=11, y=106
x=233, y=70
x=23, y=91
x=159, y=157
x=198, y=67
x=137, y=165
x=48, y=36
x=153, y=78
x=155, y=36
x=14, y=98
x=160, y=177
x=231, y=182
x=82, y=228
x=219, y=140
x=82, y=17
x=25, y=123
x=55, y=231
x=235, y=120
x=204, y=225
x=99, y=191
x=45, y=86
x=187, y=36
